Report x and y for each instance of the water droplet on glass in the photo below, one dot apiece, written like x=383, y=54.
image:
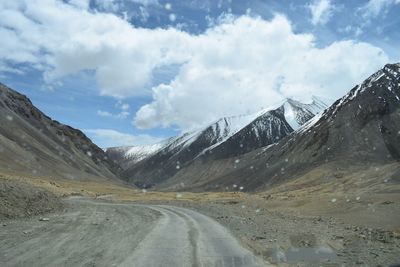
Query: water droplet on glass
x=172, y=17
x=168, y=6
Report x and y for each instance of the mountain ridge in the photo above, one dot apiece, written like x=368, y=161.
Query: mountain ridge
x=226, y=137
x=359, y=130
x=32, y=142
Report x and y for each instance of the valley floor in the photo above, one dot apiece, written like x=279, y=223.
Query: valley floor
x=299, y=228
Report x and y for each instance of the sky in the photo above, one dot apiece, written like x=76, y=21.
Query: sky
x=134, y=72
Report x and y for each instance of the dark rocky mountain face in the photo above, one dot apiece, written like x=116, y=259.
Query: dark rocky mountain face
x=264, y=130
x=360, y=130
x=32, y=142
x=226, y=138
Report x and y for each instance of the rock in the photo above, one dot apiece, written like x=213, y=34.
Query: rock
x=44, y=219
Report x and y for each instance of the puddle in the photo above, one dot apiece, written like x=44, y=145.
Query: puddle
x=301, y=254
x=310, y=254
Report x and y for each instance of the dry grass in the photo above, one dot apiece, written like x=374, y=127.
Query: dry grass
x=312, y=194
x=115, y=191
x=361, y=196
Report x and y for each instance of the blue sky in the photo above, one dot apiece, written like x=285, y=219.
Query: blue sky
x=137, y=71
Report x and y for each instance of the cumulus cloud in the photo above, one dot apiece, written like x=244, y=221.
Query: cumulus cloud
x=62, y=39
x=247, y=64
x=111, y=138
x=321, y=11
x=373, y=8
x=239, y=65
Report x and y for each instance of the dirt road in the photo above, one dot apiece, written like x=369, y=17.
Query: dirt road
x=94, y=233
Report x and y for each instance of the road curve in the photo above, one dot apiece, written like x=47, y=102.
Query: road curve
x=184, y=237
x=92, y=233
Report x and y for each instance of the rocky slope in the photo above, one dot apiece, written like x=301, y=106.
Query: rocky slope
x=31, y=142
x=226, y=138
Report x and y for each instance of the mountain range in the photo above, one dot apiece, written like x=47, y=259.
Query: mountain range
x=227, y=137
x=252, y=152
x=273, y=146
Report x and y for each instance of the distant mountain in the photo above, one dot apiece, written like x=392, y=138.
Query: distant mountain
x=360, y=130
x=227, y=137
x=127, y=156
x=31, y=142
x=297, y=113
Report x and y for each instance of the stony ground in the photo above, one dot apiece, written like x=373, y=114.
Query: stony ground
x=19, y=200
x=293, y=240
x=308, y=227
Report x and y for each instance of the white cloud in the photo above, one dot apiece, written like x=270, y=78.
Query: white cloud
x=374, y=8
x=321, y=11
x=238, y=65
x=226, y=77
x=110, y=138
x=103, y=113
x=123, y=113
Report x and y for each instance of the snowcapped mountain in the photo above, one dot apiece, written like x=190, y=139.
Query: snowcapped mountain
x=226, y=137
x=360, y=130
x=297, y=113
x=128, y=155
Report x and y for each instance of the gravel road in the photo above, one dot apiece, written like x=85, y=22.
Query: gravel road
x=91, y=233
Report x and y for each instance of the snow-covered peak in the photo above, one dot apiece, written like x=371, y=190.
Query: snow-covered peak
x=297, y=113
x=140, y=152
x=214, y=134
x=228, y=126
x=135, y=153
x=265, y=122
